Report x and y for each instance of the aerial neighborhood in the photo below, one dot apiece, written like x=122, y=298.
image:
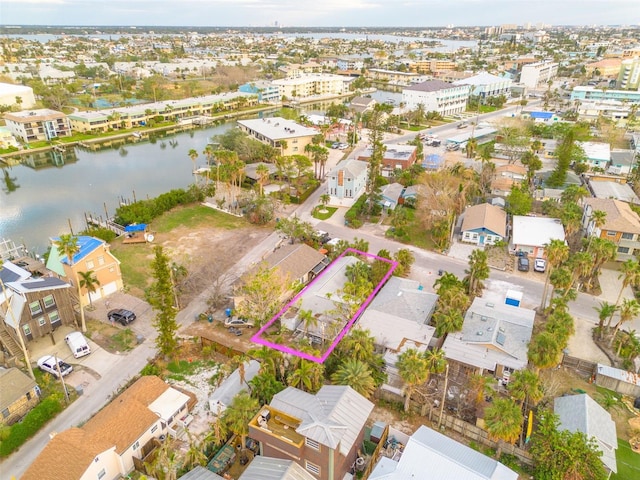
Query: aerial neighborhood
x=368, y=253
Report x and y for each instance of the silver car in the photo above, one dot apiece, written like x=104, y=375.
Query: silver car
x=51, y=364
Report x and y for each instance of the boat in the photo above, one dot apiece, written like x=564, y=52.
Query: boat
x=137, y=134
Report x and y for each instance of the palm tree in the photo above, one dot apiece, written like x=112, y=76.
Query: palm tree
x=68, y=246
x=580, y=264
x=89, y=281
x=355, y=374
x=526, y=386
x=262, y=171
x=603, y=251
x=448, y=321
x=436, y=360
x=325, y=198
x=605, y=310
x=544, y=351
x=195, y=455
x=598, y=217
x=503, y=419
x=557, y=253
x=477, y=272
x=307, y=376
x=193, y=155
x=413, y=368
x=238, y=415
x=308, y=320
x=480, y=386
x=264, y=386
x=269, y=358
x=630, y=275
x=629, y=309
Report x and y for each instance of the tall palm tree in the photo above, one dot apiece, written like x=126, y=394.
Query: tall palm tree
x=557, y=253
x=526, y=387
x=89, y=281
x=238, y=415
x=477, y=272
x=413, y=368
x=193, y=155
x=262, y=171
x=603, y=251
x=605, y=310
x=580, y=264
x=544, y=351
x=503, y=419
x=67, y=245
x=598, y=217
x=630, y=275
x=355, y=374
x=307, y=376
x=629, y=309
x=269, y=358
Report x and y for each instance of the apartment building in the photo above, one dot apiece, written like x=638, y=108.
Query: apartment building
x=393, y=77
x=38, y=125
x=597, y=94
x=536, y=75
x=431, y=65
x=322, y=433
x=486, y=85
x=629, y=76
x=288, y=136
x=608, y=67
x=437, y=96
x=311, y=85
x=10, y=93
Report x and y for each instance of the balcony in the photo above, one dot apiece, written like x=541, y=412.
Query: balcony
x=278, y=424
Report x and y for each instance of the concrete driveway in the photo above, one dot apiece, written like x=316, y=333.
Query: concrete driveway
x=610, y=285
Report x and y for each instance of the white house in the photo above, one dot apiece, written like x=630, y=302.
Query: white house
x=531, y=234
x=437, y=96
x=598, y=154
x=347, y=181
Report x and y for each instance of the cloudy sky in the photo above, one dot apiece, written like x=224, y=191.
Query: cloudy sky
x=411, y=13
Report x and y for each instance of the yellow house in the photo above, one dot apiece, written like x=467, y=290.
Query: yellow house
x=93, y=255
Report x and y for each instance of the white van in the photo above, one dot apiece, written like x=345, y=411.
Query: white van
x=78, y=344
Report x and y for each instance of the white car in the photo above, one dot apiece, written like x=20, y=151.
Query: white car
x=539, y=265
x=237, y=322
x=50, y=364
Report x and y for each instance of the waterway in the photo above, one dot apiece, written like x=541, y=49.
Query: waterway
x=42, y=195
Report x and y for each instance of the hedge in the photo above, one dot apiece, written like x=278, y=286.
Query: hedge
x=30, y=425
x=143, y=211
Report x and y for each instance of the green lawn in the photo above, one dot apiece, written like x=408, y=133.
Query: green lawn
x=628, y=462
x=323, y=216
x=194, y=216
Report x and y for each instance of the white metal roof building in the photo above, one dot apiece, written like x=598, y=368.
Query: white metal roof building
x=531, y=234
x=268, y=468
x=278, y=131
x=9, y=92
x=431, y=455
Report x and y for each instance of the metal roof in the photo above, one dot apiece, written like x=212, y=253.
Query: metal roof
x=536, y=231
x=200, y=473
x=86, y=245
x=430, y=454
x=267, y=468
x=581, y=413
x=38, y=284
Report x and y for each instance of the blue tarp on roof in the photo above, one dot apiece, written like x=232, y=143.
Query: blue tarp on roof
x=541, y=115
x=86, y=246
x=432, y=162
x=141, y=227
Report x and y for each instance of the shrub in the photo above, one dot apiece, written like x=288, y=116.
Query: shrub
x=143, y=211
x=30, y=425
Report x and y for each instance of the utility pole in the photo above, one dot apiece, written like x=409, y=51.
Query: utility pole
x=444, y=393
x=64, y=387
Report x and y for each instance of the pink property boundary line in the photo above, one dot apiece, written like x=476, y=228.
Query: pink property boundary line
x=257, y=337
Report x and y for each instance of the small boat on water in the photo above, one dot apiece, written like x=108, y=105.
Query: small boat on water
x=137, y=134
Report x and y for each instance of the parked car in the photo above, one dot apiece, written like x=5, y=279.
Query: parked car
x=78, y=344
x=523, y=264
x=122, y=316
x=462, y=125
x=335, y=144
x=343, y=146
x=237, y=322
x=539, y=265
x=50, y=364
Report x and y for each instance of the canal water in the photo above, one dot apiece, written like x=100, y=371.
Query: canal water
x=49, y=190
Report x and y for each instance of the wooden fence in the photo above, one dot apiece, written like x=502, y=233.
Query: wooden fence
x=582, y=367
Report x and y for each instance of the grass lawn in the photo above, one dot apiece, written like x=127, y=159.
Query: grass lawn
x=322, y=215
x=194, y=216
x=628, y=462
x=413, y=233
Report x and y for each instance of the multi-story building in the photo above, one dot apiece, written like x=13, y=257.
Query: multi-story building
x=393, y=77
x=288, y=136
x=395, y=157
x=536, y=75
x=485, y=85
x=322, y=433
x=10, y=93
x=93, y=255
x=347, y=181
x=432, y=65
x=266, y=91
x=593, y=93
x=621, y=225
x=437, y=96
x=311, y=85
x=609, y=67
x=348, y=63
x=629, y=76
x=38, y=125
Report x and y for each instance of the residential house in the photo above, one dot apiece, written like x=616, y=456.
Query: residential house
x=289, y=137
x=123, y=432
x=581, y=413
x=231, y=386
x=395, y=157
x=391, y=77
x=505, y=177
x=350, y=63
x=38, y=125
x=19, y=393
x=611, y=186
x=429, y=455
x=485, y=85
x=347, y=181
x=536, y=75
x=431, y=65
x=391, y=195
x=540, y=116
x=322, y=433
x=267, y=468
x=31, y=307
x=251, y=173
x=437, y=96
x=621, y=225
x=494, y=338
x=200, y=473
x=93, y=255
x=622, y=161
x=598, y=154
x=608, y=67
x=362, y=104
x=484, y=224
x=530, y=235
x=298, y=262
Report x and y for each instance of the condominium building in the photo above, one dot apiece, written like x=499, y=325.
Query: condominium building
x=437, y=96
x=432, y=65
x=593, y=93
x=486, y=85
x=38, y=125
x=19, y=95
x=535, y=75
x=608, y=67
x=629, y=76
x=290, y=137
x=311, y=85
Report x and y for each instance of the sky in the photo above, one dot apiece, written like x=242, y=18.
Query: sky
x=318, y=13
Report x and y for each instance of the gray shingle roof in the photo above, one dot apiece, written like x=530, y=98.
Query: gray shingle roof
x=13, y=385
x=333, y=417
x=581, y=413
